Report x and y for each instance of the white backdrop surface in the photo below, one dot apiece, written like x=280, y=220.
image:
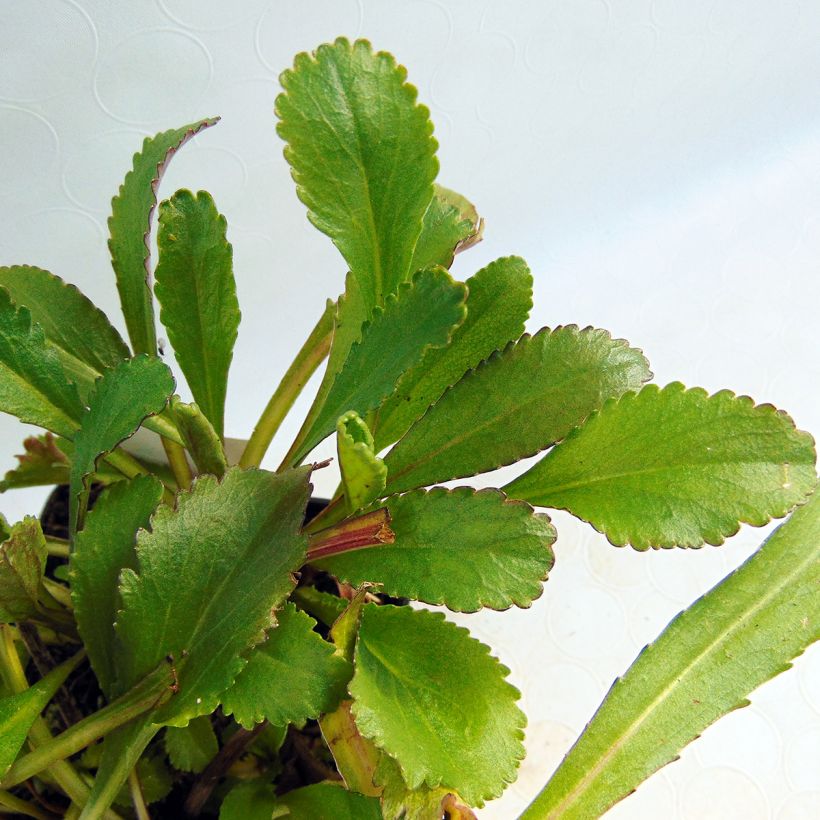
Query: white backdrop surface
x=656, y=163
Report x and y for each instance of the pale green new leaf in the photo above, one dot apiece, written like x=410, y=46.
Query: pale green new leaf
x=363, y=473
x=423, y=314
x=121, y=400
x=519, y=401
x=201, y=440
x=104, y=547
x=675, y=467
x=130, y=224
x=196, y=289
x=210, y=572
x=410, y=663
x=191, y=748
x=498, y=303
x=80, y=332
x=22, y=564
x=291, y=677
x=33, y=384
x=463, y=548
x=362, y=156
x=743, y=632
x=329, y=801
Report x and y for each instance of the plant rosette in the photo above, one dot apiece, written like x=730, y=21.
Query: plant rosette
x=244, y=661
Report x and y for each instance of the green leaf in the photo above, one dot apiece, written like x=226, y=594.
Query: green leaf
x=210, y=572
x=80, y=332
x=363, y=473
x=410, y=663
x=675, y=467
x=463, y=548
x=251, y=800
x=192, y=747
x=19, y=711
x=743, y=632
x=104, y=547
x=130, y=224
x=362, y=156
x=515, y=403
x=330, y=801
x=22, y=564
x=121, y=400
x=33, y=384
x=321, y=605
x=498, y=303
x=43, y=463
x=201, y=440
x=423, y=314
x=155, y=781
x=196, y=289
x=450, y=222
x=295, y=675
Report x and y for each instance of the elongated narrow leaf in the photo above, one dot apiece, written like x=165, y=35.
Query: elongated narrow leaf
x=197, y=292
x=329, y=801
x=121, y=400
x=130, y=224
x=294, y=675
x=743, y=632
x=423, y=314
x=19, y=711
x=514, y=404
x=80, y=332
x=191, y=748
x=675, y=467
x=463, y=548
x=450, y=221
x=363, y=472
x=362, y=156
x=470, y=738
x=22, y=563
x=102, y=549
x=498, y=303
x=33, y=384
x=201, y=440
x=209, y=574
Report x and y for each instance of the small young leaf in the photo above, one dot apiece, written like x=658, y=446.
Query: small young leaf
x=515, y=403
x=104, y=547
x=22, y=564
x=363, y=473
x=321, y=605
x=42, y=464
x=252, y=800
x=200, y=438
x=191, y=747
x=675, y=467
x=423, y=314
x=130, y=224
x=743, y=632
x=33, y=384
x=367, y=193
x=498, y=303
x=329, y=801
x=121, y=400
x=463, y=548
x=291, y=677
x=196, y=289
x=470, y=738
x=79, y=331
x=210, y=572
x=449, y=221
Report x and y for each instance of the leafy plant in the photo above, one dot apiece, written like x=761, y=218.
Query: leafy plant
x=229, y=636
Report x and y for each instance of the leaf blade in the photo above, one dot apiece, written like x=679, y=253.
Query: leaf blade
x=192, y=747
x=22, y=564
x=364, y=475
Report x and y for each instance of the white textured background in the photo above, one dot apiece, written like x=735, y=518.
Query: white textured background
x=657, y=164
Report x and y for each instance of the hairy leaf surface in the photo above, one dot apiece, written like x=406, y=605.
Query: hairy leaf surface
x=743, y=632
x=22, y=564
x=368, y=193
x=191, y=747
x=196, y=289
x=498, y=303
x=410, y=663
x=210, y=572
x=463, y=548
x=363, y=473
x=515, y=403
x=675, y=467
x=291, y=677
x=130, y=224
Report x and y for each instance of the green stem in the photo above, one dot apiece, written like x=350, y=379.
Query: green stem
x=123, y=461
x=312, y=354
x=61, y=594
x=58, y=547
x=140, y=808
x=179, y=463
x=18, y=806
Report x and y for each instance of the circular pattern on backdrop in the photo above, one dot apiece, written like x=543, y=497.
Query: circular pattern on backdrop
x=30, y=148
